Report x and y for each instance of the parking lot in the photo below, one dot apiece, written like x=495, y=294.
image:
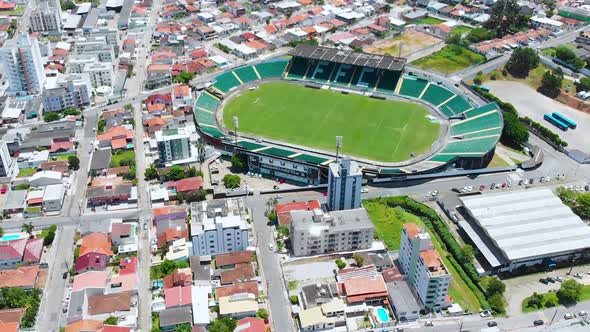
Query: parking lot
x=529, y=102
x=519, y=288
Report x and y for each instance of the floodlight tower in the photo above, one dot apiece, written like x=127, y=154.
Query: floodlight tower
x=338, y=146
x=236, y=123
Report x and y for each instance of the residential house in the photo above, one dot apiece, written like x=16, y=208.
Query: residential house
x=283, y=211
x=250, y=324
x=178, y=296
x=178, y=251
x=25, y=277
x=250, y=287
x=170, y=317
x=109, y=194
x=180, y=277
x=182, y=96
x=95, y=252
x=369, y=290
x=118, y=137
x=240, y=273
x=238, y=306
x=21, y=251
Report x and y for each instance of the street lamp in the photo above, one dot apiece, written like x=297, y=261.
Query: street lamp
x=236, y=124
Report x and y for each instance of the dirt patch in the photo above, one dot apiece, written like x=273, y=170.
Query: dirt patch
x=573, y=102
x=411, y=42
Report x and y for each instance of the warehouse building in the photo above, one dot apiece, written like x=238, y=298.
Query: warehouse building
x=523, y=228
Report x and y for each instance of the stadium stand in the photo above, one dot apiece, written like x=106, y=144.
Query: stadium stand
x=272, y=69
x=455, y=106
x=323, y=71
x=473, y=146
x=298, y=68
x=246, y=74
x=490, y=119
x=412, y=87
x=343, y=74
x=226, y=82
x=436, y=94
x=388, y=81
x=207, y=101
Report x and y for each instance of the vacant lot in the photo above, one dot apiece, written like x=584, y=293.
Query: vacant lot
x=428, y=20
x=450, y=59
x=412, y=42
x=376, y=129
x=123, y=158
x=529, y=102
x=388, y=225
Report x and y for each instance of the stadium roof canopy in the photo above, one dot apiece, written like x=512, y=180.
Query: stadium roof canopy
x=528, y=224
x=348, y=57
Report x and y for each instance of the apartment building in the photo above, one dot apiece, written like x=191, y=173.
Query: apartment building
x=424, y=269
x=22, y=64
x=219, y=226
x=66, y=91
x=317, y=232
x=344, y=185
x=101, y=73
x=95, y=46
x=173, y=145
x=45, y=18
x=7, y=164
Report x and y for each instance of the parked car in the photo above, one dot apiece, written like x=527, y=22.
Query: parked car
x=543, y=281
x=492, y=324
x=364, y=190
x=485, y=313
x=538, y=322
x=3, y=190
x=582, y=313
x=558, y=279
x=482, y=187
x=428, y=323
x=578, y=275
x=568, y=316
x=271, y=247
x=551, y=280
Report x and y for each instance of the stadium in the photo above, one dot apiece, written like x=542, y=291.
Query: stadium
x=393, y=123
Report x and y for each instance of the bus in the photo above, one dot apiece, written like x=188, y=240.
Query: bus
x=484, y=88
x=549, y=118
x=565, y=120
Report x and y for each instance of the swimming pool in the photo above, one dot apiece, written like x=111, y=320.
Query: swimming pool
x=9, y=237
x=383, y=316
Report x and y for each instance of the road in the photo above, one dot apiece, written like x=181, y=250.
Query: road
x=51, y=304
x=275, y=288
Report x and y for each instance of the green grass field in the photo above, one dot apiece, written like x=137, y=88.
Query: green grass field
x=389, y=222
x=427, y=20
x=450, y=59
x=379, y=130
x=126, y=157
x=460, y=30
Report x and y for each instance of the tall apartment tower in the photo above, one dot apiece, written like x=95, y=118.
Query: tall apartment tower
x=6, y=161
x=21, y=60
x=344, y=185
x=423, y=268
x=45, y=18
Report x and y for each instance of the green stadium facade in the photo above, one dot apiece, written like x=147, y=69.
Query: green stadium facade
x=472, y=135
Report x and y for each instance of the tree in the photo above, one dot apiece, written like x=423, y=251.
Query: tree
x=480, y=34
x=128, y=107
x=340, y=263
x=359, y=259
x=175, y=173
x=184, y=77
x=294, y=299
x=535, y=301
x=272, y=216
x=67, y=5
x=468, y=253
x=151, y=172
x=51, y=116
x=550, y=84
x=238, y=162
x=192, y=172
x=231, y=181
x=569, y=292
x=514, y=133
x=582, y=208
x=522, y=61
x=568, y=196
x=478, y=79
x=504, y=17
x=568, y=56
x=50, y=236
x=28, y=228
x=262, y=313
x=584, y=84
x=387, y=8
x=112, y=320
x=73, y=163
x=71, y=111
x=492, y=286
x=225, y=324
x=1, y=232
x=100, y=125
x=497, y=303
x=186, y=327
x=283, y=231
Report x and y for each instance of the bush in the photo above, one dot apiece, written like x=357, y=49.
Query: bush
x=231, y=181
x=23, y=186
x=494, y=76
x=497, y=303
x=73, y=163
x=544, y=131
x=238, y=162
x=569, y=292
x=294, y=299
x=340, y=263
x=51, y=116
x=262, y=313
x=478, y=80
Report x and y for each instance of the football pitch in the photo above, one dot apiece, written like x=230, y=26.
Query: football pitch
x=380, y=130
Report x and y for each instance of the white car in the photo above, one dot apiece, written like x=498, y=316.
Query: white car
x=428, y=323
x=470, y=188
x=271, y=247
x=485, y=313
x=434, y=193
x=364, y=190
x=582, y=313
x=568, y=316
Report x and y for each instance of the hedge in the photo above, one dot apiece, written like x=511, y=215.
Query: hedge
x=461, y=263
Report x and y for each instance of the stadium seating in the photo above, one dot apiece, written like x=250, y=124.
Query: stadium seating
x=455, y=106
x=483, y=132
x=272, y=69
x=412, y=87
x=204, y=117
x=436, y=94
x=212, y=131
x=343, y=74
x=388, y=81
x=474, y=146
x=298, y=68
x=226, y=81
x=207, y=102
x=485, y=120
x=368, y=78
x=322, y=71
x=246, y=74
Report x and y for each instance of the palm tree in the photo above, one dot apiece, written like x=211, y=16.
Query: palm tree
x=28, y=228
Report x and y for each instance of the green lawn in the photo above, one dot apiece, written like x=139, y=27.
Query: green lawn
x=64, y=156
x=497, y=162
x=427, y=20
x=121, y=156
x=585, y=296
x=388, y=226
x=18, y=11
x=376, y=129
x=26, y=171
x=460, y=30
x=450, y=59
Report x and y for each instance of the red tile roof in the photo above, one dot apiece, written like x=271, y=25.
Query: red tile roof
x=24, y=276
x=360, y=289
x=412, y=229
x=171, y=234
x=283, y=210
x=12, y=249
x=242, y=272
x=250, y=287
x=180, y=277
x=181, y=90
x=156, y=122
x=189, y=184
x=9, y=327
x=12, y=315
x=96, y=243
x=91, y=279
x=121, y=229
x=61, y=146
x=178, y=296
x=128, y=265
x=120, y=143
x=33, y=251
x=392, y=274
x=85, y=325
x=251, y=324
x=233, y=258
x=112, y=328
